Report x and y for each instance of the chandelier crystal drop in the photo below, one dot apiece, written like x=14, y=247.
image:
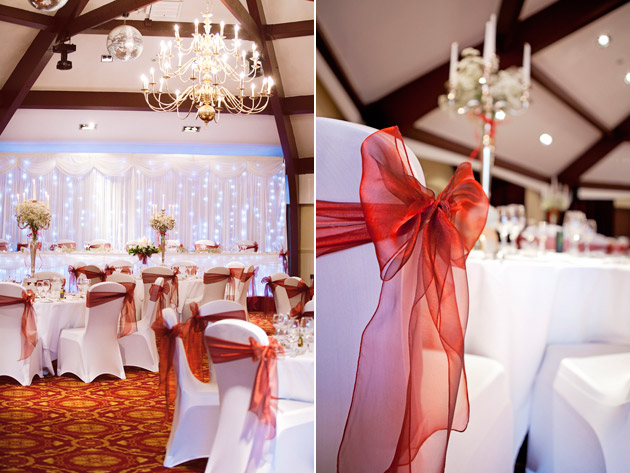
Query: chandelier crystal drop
x=197, y=76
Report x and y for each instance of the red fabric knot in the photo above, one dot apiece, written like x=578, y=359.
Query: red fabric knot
x=406, y=223
x=28, y=327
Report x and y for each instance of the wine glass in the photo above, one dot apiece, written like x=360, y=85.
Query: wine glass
x=590, y=230
x=517, y=216
x=279, y=322
x=307, y=326
x=572, y=226
x=541, y=234
x=503, y=227
x=82, y=284
x=46, y=288
x=39, y=288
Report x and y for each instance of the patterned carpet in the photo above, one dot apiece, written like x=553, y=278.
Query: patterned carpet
x=60, y=424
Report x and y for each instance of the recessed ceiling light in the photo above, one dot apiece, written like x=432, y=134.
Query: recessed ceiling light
x=626, y=78
x=106, y=58
x=603, y=40
x=500, y=115
x=546, y=139
x=87, y=126
x=191, y=129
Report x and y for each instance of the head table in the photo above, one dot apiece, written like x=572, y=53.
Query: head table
x=521, y=304
x=15, y=265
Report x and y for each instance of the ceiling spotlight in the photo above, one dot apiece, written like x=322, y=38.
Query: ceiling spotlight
x=546, y=139
x=626, y=78
x=106, y=58
x=603, y=40
x=87, y=126
x=191, y=129
x=64, y=49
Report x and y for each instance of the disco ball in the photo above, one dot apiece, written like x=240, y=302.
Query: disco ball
x=48, y=5
x=124, y=43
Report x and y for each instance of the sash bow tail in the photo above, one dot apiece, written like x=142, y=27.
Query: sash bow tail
x=414, y=346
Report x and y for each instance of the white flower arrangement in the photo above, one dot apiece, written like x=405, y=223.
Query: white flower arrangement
x=34, y=215
x=143, y=248
x=506, y=87
x=556, y=197
x=162, y=222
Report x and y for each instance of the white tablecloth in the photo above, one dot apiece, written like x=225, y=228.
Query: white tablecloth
x=52, y=317
x=296, y=377
x=16, y=265
x=521, y=304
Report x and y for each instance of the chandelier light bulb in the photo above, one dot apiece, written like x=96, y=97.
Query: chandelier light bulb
x=222, y=27
x=626, y=78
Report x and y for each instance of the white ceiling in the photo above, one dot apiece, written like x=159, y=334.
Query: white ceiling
x=384, y=45
x=295, y=58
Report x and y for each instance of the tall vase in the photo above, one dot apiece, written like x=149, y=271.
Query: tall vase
x=33, y=249
x=163, y=246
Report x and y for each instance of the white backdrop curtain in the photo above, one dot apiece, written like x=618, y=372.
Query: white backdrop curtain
x=220, y=198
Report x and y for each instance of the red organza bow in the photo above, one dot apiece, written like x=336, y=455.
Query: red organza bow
x=301, y=289
x=173, y=292
x=157, y=294
x=411, y=360
x=264, y=398
x=95, y=275
x=166, y=338
x=270, y=289
x=127, y=323
x=211, y=278
x=28, y=325
x=73, y=274
x=284, y=255
x=94, y=299
x=194, y=337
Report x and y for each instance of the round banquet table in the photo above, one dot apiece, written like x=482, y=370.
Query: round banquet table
x=296, y=377
x=521, y=304
x=51, y=318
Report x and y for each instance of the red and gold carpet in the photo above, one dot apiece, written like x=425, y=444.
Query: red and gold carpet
x=60, y=424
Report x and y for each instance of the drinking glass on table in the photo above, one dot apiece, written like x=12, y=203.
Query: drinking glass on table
x=590, y=230
x=82, y=284
x=292, y=339
x=307, y=327
x=541, y=234
x=517, y=216
x=280, y=322
x=573, y=223
x=504, y=225
x=39, y=288
x=46, y=288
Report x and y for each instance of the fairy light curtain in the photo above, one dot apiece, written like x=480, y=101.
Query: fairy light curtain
x=220, y=198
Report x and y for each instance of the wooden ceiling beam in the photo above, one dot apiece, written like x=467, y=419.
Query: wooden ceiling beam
x=507, y=21
x=572, y=173
x=104, y=14
x=31, y=19
x=306, y=166
x=298, y=105
x=604, y=185
x=33, y=62
x=165, y=29
x=238, y=11
x=448, y=145
x=284, y=126
x=290, y=30
x=540, y=30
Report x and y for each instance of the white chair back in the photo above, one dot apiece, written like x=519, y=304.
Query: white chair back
x=309, y=306
x=161, y=270
x=67, y=244
x=280, y=297
x=201, y=245
x=11, y=340
x=352, y=286
x=99, y=244
x=186, y=267
x=242, y=288
x=122, y=264
x=172, y=245
x=216, y=290
x=294, y=281
x=96, y=269
x=50, y=275
x=150, y=306
x=239, y=433
x=120, y=277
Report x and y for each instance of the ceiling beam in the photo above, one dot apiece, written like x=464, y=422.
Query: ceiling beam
x=543, y=79
x=605, y=185
x=448, y=145
x=298, y=105
x=165, y=29
x=33, y=62
x=540, y=30
x=284, y=126
x=17, y=16
x=248, y=23
x=104, y=14
x=306, y=166
x=290, y=30
x=571, y=174
x=507, y=20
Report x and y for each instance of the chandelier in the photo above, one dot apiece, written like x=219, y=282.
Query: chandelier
x=198, y=75
x=478, y=88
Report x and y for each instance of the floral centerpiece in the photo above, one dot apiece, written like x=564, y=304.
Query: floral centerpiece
x=35, y=216
x=506, y=87
x=162, y=223
x=555, y=199
x=143, y=250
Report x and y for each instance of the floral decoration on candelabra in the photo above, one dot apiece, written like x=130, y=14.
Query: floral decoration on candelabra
x=477, y=88
x=162, y=223
x=143, y=250
x=35, y=216
x=555, y=199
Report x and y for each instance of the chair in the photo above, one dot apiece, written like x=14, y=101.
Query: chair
x=240, y=444
x=236, y=270
x=93, y=350
x=580, y=418
x=69, y=244
x=139, y=348
x=125, y=266
x=243, y=288
x=172, y=245
x=294, y=296
x=247, y=246
x=151, y=273
x=130, y=243
x=196, y=409
x=280, y=297
x=310, y=307
x=94, y=274
x=4, y=245
x=49, y=275
x=351, y=281
x=204, y=245
x=214, y=282
x=23, y=371
x=186, y=267
x=99, y=244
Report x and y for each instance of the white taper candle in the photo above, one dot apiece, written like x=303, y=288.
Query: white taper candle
x=452, y=73
x=527, y=54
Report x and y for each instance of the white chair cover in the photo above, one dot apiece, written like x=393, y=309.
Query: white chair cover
x=580, y=418
x=280, y=297
x=161, y=270
x=293, y=281
x=240, y=444
x=350, y=280
x=93, y=350
x=196, y=409
x=11, y=341
x=202, y=245
x=211, y=292
x=139, y=348
x=242, y=287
